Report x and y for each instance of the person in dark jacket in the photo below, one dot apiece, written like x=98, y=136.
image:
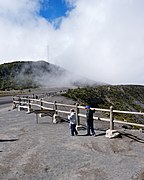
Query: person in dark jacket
x=89, y=119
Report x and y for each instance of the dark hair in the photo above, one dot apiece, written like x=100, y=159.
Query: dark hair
x=72, y=110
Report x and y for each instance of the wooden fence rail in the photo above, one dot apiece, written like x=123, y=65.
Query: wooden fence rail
x=31, y=103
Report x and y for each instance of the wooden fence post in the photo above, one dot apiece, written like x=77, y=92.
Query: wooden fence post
x=55, y=106
x=29, y=105
x=41, y=104
x=54, y=118
x=111, y=118
x=14, y=104
x=77, y=112
x=19, y=99
x=19, y=103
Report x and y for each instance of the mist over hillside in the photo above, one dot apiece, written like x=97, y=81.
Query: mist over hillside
x=31, y=74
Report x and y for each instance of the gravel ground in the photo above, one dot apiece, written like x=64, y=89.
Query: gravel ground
x=46, y=151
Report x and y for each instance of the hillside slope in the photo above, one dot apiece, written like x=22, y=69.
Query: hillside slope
x=28, y=74
x=121, y=97
x=31, y=74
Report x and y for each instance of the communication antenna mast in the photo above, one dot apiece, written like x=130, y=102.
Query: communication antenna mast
x=48, y=56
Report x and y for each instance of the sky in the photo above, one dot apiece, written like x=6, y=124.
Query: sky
x=102, y=40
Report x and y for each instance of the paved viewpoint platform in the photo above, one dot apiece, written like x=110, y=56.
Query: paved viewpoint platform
x=46, y=151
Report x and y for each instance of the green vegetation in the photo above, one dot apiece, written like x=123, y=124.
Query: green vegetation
x=16, y=76
x=25, y=74
x=121, y=97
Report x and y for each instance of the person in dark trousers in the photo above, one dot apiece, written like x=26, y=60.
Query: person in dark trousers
x=72, y=118
x=89, y=119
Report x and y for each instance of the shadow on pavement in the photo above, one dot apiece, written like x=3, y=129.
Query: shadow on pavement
x=8, y=140
x=132, y=137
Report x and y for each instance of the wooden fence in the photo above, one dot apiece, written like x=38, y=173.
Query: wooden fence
x=41, y=104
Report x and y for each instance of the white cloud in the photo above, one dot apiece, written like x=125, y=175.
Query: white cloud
x=102, y=40
x=23, y=34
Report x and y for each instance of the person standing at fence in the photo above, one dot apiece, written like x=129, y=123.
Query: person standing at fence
x=89, y=119
x=72, y=118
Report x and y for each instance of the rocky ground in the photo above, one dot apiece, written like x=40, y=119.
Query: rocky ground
x=46, y=151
